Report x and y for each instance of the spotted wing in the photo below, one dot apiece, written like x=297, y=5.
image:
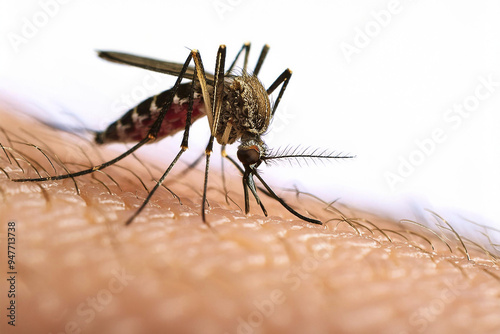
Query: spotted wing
x=151, y=64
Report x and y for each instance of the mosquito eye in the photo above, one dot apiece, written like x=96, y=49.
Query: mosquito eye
x=249, y=156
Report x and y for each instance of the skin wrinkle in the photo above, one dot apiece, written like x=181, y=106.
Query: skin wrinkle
x=360, y=272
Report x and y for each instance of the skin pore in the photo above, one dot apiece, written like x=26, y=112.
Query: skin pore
x=80, y=270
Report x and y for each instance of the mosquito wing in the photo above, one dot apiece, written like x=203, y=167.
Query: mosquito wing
x=151, y=64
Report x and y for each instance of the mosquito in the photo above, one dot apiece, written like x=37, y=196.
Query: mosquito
x=237, y=106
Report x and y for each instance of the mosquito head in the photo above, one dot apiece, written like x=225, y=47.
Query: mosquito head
x=251, y=150
x=249, y=155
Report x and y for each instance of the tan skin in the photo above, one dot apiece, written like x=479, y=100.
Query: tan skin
x=80, y=270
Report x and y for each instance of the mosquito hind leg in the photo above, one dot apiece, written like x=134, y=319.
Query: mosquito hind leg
x=151, y=136
x=184, y=144
x=199, y=74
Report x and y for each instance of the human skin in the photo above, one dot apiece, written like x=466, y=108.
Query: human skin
x=80, y=270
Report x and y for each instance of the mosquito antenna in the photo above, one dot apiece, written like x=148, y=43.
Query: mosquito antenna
x=298, y=153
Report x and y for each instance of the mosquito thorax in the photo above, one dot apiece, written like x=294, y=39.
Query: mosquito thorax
x=246, y=108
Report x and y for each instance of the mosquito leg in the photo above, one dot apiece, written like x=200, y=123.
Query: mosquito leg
x=90, y=170
x=284, y=78
x=157, y=185
x=202, y=79
x=245, y=47
x=282, y=202
x=223, y=155
x=151, y=136
x=215, y=114
x=208, y=153
x=184, y=147
x=260, y=61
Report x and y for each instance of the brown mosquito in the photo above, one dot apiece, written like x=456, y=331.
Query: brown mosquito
x=237, y=107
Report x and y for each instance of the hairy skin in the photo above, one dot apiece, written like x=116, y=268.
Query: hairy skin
x=80, y=270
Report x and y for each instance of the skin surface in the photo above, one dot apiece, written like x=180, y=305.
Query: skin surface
x=80, y=270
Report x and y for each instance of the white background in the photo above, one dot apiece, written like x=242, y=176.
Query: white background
x=414, y=61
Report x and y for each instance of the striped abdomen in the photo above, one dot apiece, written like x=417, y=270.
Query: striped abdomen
x=136, y=123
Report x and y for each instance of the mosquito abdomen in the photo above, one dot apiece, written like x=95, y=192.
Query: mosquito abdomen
x=134, y=125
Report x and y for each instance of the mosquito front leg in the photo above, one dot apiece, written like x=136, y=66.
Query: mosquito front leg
x=215, y=114
x=202, y=79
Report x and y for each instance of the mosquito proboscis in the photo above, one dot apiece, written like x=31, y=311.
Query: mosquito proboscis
x=237, y=107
